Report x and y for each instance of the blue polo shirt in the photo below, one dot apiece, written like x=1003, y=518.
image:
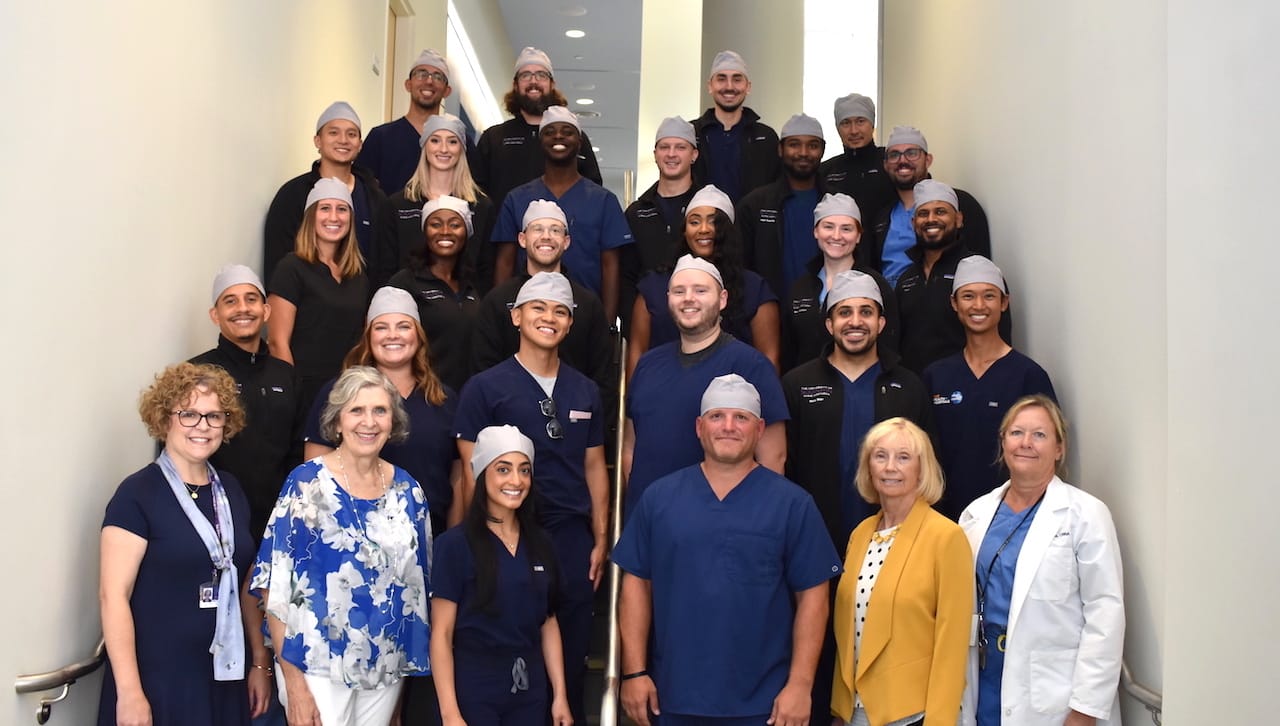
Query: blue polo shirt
x=723, y=573
x=665, y=397
x=507, y=394
x=596, y=224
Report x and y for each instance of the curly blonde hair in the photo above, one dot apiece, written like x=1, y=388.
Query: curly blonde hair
x=176, y=385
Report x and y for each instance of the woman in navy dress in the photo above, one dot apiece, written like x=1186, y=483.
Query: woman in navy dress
x=175, y=545
x=495, y=641
x=752, y=313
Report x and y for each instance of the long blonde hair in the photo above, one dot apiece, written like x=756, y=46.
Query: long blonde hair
x=461, y=185
x=350, y=261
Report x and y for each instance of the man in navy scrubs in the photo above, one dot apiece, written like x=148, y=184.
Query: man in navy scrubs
x=834, y=400
x=972, y=390
x=392, y=149
x=662, y=401
x=558, y=408
x=725, y=574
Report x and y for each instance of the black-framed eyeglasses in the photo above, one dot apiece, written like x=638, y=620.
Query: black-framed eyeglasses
x=191, y=419
x=525, y=76
x=554, y=429
x=422, y=74
x=912, y=154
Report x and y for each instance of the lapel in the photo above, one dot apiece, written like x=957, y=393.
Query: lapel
x=1044, y=525
x=880, y=609
x=981, y=512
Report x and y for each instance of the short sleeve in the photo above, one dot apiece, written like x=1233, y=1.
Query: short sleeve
x=451, y=566
x=125, y=509
x=508, y=226
x=773, y=402
x=287, y=279
x=473, y=413
x=311, y=427
x=761, y=292
x=811, y=558
x=615, y=232
x=631, y=553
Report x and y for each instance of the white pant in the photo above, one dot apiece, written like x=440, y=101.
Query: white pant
x=342, y=706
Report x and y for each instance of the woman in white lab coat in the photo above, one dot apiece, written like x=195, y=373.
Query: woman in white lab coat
x=1050, y=591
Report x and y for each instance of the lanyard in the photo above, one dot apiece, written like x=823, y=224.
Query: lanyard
x=982, y=589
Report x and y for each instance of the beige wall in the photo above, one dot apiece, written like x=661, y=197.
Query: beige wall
x=1109, y=144
x=770, y=37
x=667, y=51
x=145, y=145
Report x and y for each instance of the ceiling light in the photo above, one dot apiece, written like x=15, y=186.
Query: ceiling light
x=575, y=34
x=584, y=86
x=573, y=11
x=596, y=149
x=579, y=57
x=584, y=101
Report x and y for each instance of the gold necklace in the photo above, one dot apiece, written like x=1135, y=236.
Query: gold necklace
x=511, y=546
x=888, y=535
x=192, y=489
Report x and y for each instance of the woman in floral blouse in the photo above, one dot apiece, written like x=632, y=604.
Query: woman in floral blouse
x=343, y=567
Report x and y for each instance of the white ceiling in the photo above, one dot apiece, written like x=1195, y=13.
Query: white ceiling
x=603, y=66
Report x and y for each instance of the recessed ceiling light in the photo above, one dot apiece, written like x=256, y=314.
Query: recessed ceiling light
x=573, y=11
x=584, y=101
x=596, y=149
x=579, y=57
x=584, y=86
x=575, y=33
x=584, y=113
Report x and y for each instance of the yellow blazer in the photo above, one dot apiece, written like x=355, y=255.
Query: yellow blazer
x=916, y=641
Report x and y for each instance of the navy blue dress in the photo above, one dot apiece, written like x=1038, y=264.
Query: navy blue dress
x=171, y=633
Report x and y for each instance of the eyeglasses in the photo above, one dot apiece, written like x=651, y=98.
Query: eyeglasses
x=525, y=76
x=912, y=154
x=538, y=230
x=554, y=429
x=422, y=74
x=191, y=419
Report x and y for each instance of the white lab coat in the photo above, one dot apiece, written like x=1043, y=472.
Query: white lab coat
x=1066, y=616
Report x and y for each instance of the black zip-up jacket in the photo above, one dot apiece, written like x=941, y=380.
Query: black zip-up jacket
x=815, y=400
x=509, y=154
x=860, y=174
x=931, y=330
x=586, y=348
x=400, y=235
x=268, y=448
x=656, y=244
x=974, y=235
x=760, y=162
x=761, y=224
x=804, y=329
x=284, y=216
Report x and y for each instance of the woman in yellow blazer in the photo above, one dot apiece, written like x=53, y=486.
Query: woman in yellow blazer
x=905, y=602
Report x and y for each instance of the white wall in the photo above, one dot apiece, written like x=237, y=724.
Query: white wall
x=145, y=141
x=1119, y=149
x=668, y=50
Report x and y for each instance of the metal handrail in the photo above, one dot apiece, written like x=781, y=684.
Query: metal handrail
x=59, y=678
x=613, y=658
x=1145, y=695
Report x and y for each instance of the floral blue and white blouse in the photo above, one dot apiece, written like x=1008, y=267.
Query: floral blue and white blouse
x=348, y=578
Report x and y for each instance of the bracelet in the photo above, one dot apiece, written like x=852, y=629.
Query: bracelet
x=637, y=674
x=270, y=671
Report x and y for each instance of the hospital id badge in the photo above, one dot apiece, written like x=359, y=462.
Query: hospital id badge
x=208, y=597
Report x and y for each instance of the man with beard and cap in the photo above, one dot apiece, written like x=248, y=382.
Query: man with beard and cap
x=907, y=161
x=270, y=445
x=560, y=410
x=391, y=150
x=776, y=220
x=930, y=328
x=972, y=390
x=834, y=400
x=663, y=393
x=544, y=238
x=337, y=141
x=509, y=154
x=724, y=591
x=737, y=151
x=595, y=219
x=859, y=170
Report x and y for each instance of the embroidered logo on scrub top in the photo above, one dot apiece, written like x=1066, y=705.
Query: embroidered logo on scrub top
x=815, y=394
x=519, y=676
x=957, y=397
